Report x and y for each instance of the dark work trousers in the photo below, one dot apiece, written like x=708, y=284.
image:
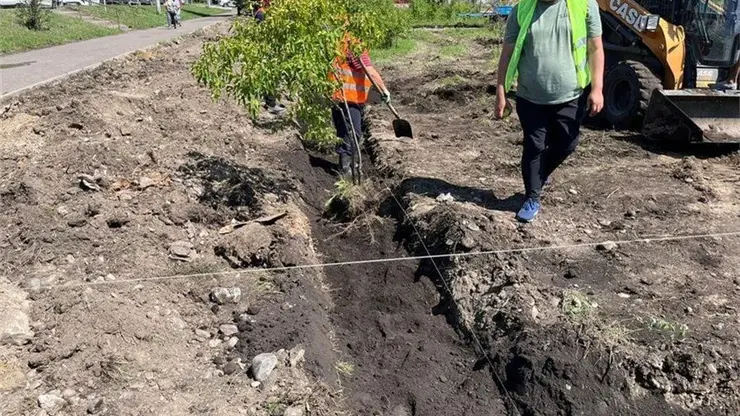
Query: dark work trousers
x=550, y=136
x=341, y=120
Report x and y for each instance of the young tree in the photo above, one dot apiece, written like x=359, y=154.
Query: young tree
x=291, y=54
x=33, y=15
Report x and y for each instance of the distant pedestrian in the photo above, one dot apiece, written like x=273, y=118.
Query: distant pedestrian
x=553, y=49
x=173, y=12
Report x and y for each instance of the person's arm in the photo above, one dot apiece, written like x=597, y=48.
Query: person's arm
x=510, y=35
x=596, y=65
x=595, y=58
x=374, y=75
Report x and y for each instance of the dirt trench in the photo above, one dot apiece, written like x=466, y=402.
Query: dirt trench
x=403, y=356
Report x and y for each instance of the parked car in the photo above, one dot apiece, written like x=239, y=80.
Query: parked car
x=10, y=3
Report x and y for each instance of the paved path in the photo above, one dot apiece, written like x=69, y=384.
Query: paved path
x=24, y=70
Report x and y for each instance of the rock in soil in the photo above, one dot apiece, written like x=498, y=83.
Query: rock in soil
x=228, y=329
x=223, y=295
x=51, y=403
x=247, y=246
x=262, y=366
x=296, y=356
x=607, y=246
x=97, y=406
x=181, y=249
x=202, y=334
x=14, y=323
x=294, y=411
x=231, y=368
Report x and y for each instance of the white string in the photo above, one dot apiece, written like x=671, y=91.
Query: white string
x=452, y=299
x=646, y=240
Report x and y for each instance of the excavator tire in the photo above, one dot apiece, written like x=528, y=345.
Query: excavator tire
x=627, y=89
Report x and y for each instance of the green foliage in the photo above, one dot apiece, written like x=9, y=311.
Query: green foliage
x=33, y=15
x=441, y=13
x=291, y=54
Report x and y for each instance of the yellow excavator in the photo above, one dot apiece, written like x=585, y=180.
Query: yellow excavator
x=664, y=61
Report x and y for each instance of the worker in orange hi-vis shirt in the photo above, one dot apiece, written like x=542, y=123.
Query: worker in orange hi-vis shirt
x=354, y=74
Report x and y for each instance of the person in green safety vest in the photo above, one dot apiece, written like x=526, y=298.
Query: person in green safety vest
x=554, y=53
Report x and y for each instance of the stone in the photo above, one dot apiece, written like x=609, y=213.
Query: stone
x=400, y=410
x=202, y=334
x=62, y=210
x=223, y=295
x=296, y=355
x=96, y=406
x=294, y=411
x=247, y=246
x=228, y=329
x=572, y=191
x=214, y=343
x=607, y=246
x=623, y=295
x=604, y=222
x=15, y=328
x=67, y=393
x=166, y=384
x=447, y=197
x=468, y=242
x=77, y=222
x=125, y=131
x=232, y=342
x=255, y=384
x=51, y=403
x=231, y=368
x=535, y=312
x=145, y=183
x=181, y=249
x=711, y=369
x=88, y=183
x=271, y=198
x=178, y=323
x=263, y=365
x=253, y=310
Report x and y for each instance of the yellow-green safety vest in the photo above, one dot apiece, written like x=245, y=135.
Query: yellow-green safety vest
x=577, y=11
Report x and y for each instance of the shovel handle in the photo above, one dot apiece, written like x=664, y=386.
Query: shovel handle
x=393, y=110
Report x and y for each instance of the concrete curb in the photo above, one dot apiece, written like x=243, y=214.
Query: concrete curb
x=58, y=78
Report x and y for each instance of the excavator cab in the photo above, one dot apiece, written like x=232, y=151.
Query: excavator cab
x=664, y=58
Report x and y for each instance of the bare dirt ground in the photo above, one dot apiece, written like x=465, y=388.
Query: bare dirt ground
x=136, y=216
x=583, y=319
x=134, y=207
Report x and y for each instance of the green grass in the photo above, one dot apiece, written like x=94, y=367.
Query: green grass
x=452, y=50
x=60, y=29
x=403, y=46
x=145, y=17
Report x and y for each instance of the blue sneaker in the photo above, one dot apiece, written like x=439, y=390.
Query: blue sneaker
x=529, y=210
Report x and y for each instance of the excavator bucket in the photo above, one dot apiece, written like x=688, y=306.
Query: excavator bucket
x=682, y=117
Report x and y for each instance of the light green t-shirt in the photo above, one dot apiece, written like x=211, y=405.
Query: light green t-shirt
x=547, y=74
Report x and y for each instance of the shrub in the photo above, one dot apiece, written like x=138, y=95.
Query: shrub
x=33, y=15
x=291, y=53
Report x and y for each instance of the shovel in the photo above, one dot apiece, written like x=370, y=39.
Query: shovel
x=401, y=127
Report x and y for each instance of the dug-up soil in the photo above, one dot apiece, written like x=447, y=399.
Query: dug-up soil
x=137, y=219
x=602, y=306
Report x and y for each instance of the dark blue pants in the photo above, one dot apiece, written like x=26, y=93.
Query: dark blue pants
x=550, y=136
x=341, y=119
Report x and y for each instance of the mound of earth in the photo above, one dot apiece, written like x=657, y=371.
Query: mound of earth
x=618, y=300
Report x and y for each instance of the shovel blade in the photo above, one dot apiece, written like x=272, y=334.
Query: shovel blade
x=402, y=128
